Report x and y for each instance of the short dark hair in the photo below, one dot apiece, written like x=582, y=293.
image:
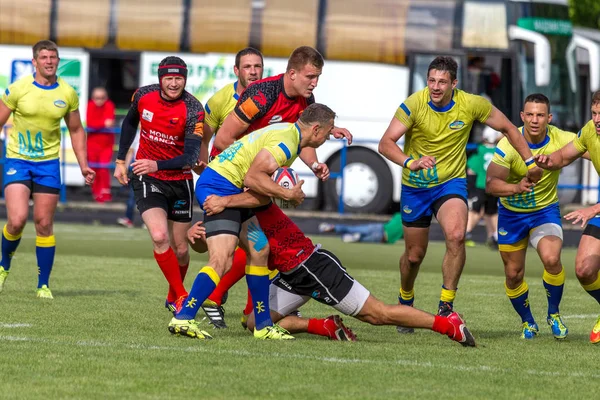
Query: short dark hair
x=305, y=55
x=44, y=45
x=245, y=52
x=596, y=98
x=444, y=63
x=317, y=113
x=537, y=98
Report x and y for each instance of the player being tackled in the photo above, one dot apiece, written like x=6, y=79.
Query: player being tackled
x=308, y=271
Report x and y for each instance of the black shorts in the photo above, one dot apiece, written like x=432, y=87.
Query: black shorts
x=175, y=197
x=323, y=278
x=592, y=230
x=228, y=222
x=481, y=200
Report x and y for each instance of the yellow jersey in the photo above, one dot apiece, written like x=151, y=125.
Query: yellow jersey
x=281, y=140
x=588, y=140
x=37, y=112
x=441, y=133
x=220, y=105
x=545, y=192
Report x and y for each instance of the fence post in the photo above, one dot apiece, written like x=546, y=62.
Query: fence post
x=342, y=166
x=63, y=167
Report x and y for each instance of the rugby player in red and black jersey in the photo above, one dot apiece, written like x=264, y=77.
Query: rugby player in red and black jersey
x=171, y=122
x=276, y=99
x=308, y=271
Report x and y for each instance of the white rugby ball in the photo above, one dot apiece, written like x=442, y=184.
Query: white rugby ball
x=286, y=178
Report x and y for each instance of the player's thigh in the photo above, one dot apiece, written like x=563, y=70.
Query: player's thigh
x=549, y=247
x=17, y=196
x=452, y=216
x=254, y=241
x=416, y=241
x=155, y=219
x=587, y=261
x=44, y=207
x=283, y=299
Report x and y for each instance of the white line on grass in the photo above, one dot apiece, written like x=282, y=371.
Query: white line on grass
x=17, y=325
x=582, y=316
x=336, y=360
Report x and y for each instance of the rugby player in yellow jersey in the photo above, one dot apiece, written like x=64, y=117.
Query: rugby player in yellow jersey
x=248, y=68
x=437, y=121
x=249, y=162
x=38, y=102
x=587, y=262
x=530, y=214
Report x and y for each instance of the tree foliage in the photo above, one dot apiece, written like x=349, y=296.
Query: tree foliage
x=585, y=13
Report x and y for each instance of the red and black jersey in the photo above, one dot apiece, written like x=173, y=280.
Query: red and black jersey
x=289, y=246
x=165, y=125
x=265, y=102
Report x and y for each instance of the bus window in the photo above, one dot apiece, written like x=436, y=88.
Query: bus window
x=19, y=27
x=287, y=25
x=83, y=23
x=358, y=31
x=221, y=26
x=153, y=24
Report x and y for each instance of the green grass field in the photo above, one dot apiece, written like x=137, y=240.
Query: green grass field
x=105, y=334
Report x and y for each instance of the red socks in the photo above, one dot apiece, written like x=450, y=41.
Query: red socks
x=169, y=266
x=317, y=327
x=172, y=297
x=442, y=325
x=249, y=305
x=237, y=272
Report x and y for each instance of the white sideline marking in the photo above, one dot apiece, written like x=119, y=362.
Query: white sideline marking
x=581, y=316
x=16, y=325
x=208, y=350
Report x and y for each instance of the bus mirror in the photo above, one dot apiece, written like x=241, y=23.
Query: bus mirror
x=541, y=50
x=593, y=50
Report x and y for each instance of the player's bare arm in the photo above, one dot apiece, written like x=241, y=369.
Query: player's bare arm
x=341, y=133
x=583, y=215
x=560, y=158
x=79, y=143
x=498, y=121
x=259, y=179
x=389, y=148
x=496, y=184
x=233, y=127
x=309, y=157
x=206, y=138
x=215, y=204
x=4, y=113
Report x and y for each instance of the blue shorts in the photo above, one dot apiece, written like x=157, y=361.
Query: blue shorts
x=419, y=204
x=211, y=182
x=38, y=176
x=514, y=227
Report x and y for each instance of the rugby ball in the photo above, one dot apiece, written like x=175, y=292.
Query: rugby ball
x=286, y=178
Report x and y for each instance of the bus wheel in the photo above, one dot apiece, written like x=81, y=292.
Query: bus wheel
x=367, y=183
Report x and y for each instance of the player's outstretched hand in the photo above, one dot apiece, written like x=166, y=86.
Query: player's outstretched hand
x=144, y=167
x=89, y=175
x=214, y=204
x=543, y=161
x=535, y=174
x=425, y=162
x=295, y=195
x=583, y=215
x=196, y=235
x=121, y=173
x=321, y=171
x=340, y=133
x=525, y=186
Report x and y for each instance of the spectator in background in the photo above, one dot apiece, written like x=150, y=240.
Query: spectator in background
x=389, y=232
x=100, y=141
x=481, y=203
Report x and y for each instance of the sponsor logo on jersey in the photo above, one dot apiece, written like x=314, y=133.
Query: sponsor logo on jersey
x=174, y=121
x=60, y=104
x=160, y=137
x=11, y=171
x=406, y=209
x=147, y=115
x=457, y=125
x=502, y=232
x=276, y=119
x=179, y=204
